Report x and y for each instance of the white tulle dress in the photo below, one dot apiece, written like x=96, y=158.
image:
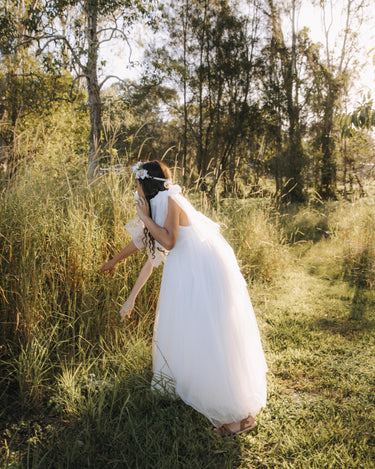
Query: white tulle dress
x=206, y=344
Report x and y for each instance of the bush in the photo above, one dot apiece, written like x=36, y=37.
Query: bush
x=306, y=223
x=356, y=232
x=253, y=230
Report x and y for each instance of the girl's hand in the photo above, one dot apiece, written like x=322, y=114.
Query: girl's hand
x=126, y=309
x=108, y=266
x=143, y=208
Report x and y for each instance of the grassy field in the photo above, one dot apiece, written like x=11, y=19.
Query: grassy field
x=75, y=382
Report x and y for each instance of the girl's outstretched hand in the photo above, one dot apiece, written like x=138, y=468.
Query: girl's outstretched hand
x=126, y=309
x=108, y=266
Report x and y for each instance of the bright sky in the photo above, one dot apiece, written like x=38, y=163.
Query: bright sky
x=311, y=17
x=117, y=54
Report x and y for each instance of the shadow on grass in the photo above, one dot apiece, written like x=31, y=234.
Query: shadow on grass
x=136, y=428
x=361, y=316
x=345, y=327
x=363, y=304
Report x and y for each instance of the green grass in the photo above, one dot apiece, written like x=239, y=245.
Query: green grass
x=75, y=382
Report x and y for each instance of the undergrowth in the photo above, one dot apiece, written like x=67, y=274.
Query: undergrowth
x=75, y=382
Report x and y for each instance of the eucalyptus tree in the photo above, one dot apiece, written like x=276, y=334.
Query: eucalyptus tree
x=210, y=54
x=356, y=135
x=232, y=81
x=286, y=97
x=9, y=25
x=78, y=28
x=333, y=71
x=225, y=81
x=28, y=83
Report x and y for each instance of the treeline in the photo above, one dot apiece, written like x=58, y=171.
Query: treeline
x=232, y=92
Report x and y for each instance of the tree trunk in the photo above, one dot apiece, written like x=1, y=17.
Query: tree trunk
x=293, y=189
x=333, y=76
x=185, y=20
x=277, y=115
x=327, y=188
x=344, y=178
x=91, y=8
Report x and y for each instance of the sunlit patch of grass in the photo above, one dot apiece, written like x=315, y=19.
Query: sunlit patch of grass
x=321, y=372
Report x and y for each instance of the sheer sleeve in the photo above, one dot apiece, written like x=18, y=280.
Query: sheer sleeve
x=135, y=228
x=159, y=256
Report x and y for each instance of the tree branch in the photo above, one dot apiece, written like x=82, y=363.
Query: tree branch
x=53, y=38
x=112, y=76
x=73, y=83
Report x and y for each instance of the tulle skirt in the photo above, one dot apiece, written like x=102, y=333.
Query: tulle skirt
x=206, y=344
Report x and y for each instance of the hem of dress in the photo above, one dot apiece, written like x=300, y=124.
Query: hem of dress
x=166, y=386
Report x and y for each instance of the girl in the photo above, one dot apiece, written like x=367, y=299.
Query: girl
x=206, y=344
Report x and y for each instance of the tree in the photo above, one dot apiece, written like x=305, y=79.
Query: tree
x=211, y=58
x=332, y=77
x=79, y=27
x=28, y=83
x=284, y=99
x=356, y=141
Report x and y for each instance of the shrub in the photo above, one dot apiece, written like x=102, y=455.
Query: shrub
x=306, y=223
x=253, y=230
x=356, y=231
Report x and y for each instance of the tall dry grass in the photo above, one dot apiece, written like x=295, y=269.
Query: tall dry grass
x=252, y=226
x=356, y=234
x=66, y=356
x=56, y=233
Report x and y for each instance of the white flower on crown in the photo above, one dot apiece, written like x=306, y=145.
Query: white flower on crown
x=137, y=166
x=142, y=173
x=139, y=172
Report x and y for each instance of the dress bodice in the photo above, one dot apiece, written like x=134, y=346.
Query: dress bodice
x=199, y=224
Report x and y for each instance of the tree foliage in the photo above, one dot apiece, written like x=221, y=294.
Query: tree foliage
x=231, y=94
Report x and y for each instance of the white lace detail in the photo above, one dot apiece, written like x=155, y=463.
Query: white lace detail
x=160, y=255
x=135, y=228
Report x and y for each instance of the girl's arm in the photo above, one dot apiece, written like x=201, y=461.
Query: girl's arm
x=128, y=250
x=165, y=235
x=141, y=280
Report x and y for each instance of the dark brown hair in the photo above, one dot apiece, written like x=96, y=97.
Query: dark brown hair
x=152, y=187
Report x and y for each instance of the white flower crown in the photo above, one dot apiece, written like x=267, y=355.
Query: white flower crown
x=141, y=173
